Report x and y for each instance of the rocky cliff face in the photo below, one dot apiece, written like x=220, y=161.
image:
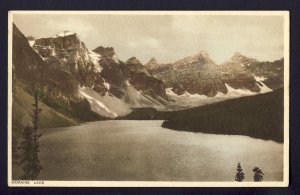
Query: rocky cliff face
x=119, y=74
x=102, y=71
x=57, y=85
x=140, y=78
x=30, y=67
x=113, y=87
x=69, y=51
x=236, y=75
x=112, y=71
x=152, y=64
x=136, y=66
x=199, y=74
x=271, y=73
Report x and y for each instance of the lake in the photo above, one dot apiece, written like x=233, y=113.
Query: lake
x=120, y=150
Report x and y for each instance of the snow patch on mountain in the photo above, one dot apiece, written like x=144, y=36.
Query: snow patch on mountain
x=127, y=83
x=116, y=58
x=112, y=103
x=107, y=85
x=64, y=33
x=53, y=52
x=185, y=95
x=262, y=86
x=257, y=78
x=95, y=59
x=31, y=42
x=188, y=100
x=96, y=105
x=112, y=107
x=237, y=92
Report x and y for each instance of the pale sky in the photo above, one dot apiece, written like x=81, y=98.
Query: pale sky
x=166, y=37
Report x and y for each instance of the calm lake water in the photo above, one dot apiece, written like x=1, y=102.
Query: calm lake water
x=142, y=150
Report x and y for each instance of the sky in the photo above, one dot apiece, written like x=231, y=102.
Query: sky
x=166, y=37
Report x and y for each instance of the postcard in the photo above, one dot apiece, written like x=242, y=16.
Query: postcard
x=148, y=98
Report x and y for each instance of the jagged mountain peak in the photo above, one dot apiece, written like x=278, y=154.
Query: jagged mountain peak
x=152, y=62
x=62, y=40
x=201, y=57
x=240, y=58
x=30, y=38
x=105, y=51
x=136, y=66
x=133, y=60
x=67, y=48
x=203, y=53
x=238, y=55
x=71, y=64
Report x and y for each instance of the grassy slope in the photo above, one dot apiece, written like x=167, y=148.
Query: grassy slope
x=259, y=116
x=22, y=109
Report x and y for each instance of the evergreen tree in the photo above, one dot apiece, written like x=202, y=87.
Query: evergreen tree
x=239, y=174
x=30, y=143
x=36, y=167
x=258, y=174
x=27, y=158
x=14, y=149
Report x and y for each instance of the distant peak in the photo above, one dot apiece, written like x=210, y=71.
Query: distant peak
x=202, y=57
x=30, y=38
x=64, y=33
x=203, y=53
x=152, y=62
x=105, y=51
x=133, y=60
x=240, y=59
x=104, y=48
x=237, y=54
x=153, y=59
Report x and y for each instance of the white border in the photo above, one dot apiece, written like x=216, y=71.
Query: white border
x=285, y=181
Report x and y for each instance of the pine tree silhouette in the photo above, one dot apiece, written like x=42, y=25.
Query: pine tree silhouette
x=27, y=158
x=37, y=167
x=30, y=143
x=240, y=174
x=258, y=174
x=14, y=149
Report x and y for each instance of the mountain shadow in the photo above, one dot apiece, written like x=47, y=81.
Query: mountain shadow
x=259, y=116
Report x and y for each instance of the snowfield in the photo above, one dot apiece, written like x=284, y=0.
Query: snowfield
x=64, y=33
x=188, y=100
x=95, y=59
x=262, y=86
x=112, y=107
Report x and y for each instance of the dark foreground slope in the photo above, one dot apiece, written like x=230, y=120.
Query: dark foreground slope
x=259, y=116
x=22, y=111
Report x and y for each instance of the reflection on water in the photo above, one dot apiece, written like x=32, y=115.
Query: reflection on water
x=142, y=150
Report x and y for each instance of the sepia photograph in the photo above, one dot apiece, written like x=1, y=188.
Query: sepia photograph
x=148, y=98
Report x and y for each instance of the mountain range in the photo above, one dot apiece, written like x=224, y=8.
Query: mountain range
x=80, y=84
x=199, y=74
